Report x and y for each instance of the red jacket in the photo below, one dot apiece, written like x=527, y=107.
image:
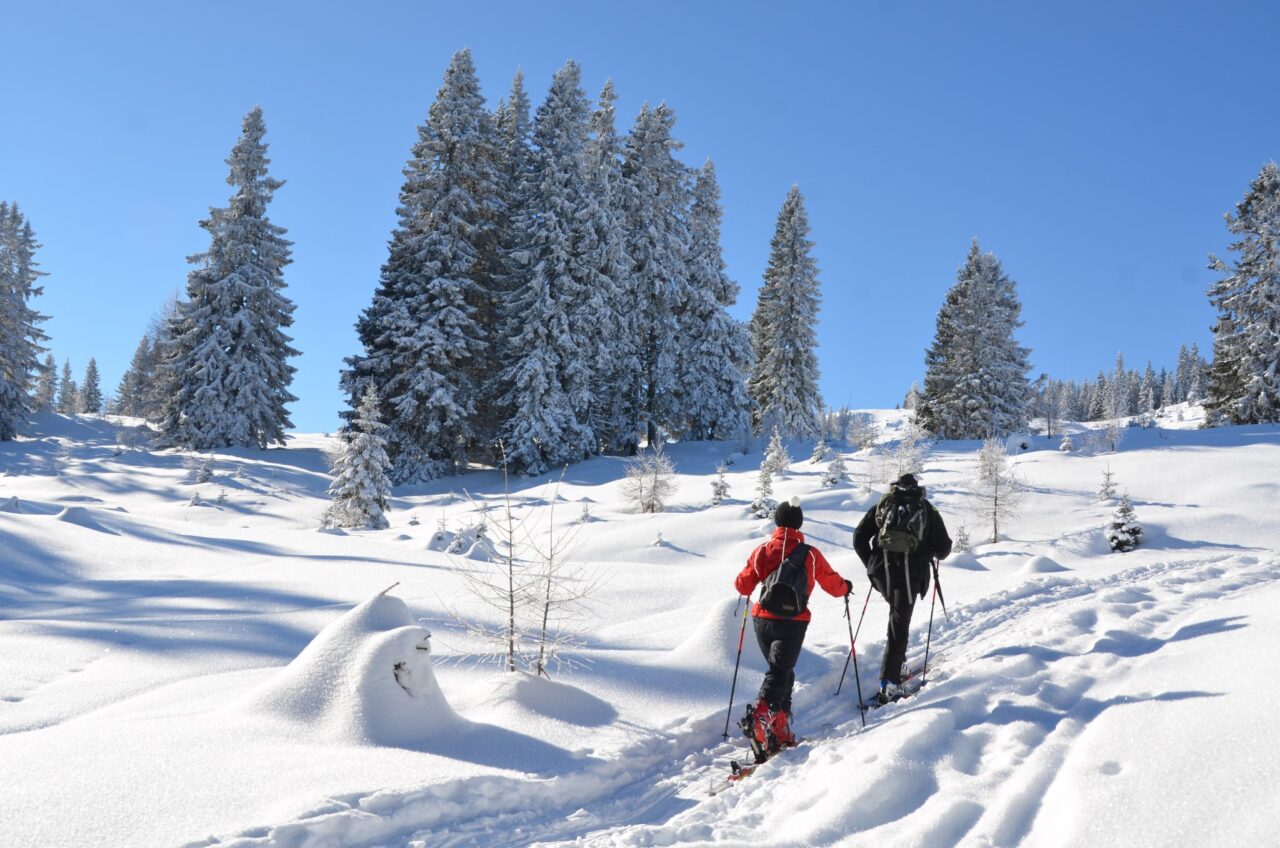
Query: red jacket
x=766, y=558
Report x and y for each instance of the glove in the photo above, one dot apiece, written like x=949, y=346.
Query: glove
x=848, y=588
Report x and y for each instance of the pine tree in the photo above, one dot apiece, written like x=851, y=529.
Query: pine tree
x=230, y=352
x=821, y=451
x=20, y=334
x=1107, y=490
x=422, y=335
x=1124, y=533
x=68, y=392
x=656, y=224
x=131, y=396
x=47, y=385
x=1244, y=383
x=837, y=472
x=1067, y=446
x=784, y=382
x=360, y=487
x=976, y=373
x=763, y=505
x=91, y=389
x=615, y=410
x=962, y=543
x=717, y=356
x=552, y=318
x=1148, y=391
x=776, y=457
x=719, y=487
x=997, y=491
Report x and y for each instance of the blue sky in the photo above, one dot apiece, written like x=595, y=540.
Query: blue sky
x=1094, y=147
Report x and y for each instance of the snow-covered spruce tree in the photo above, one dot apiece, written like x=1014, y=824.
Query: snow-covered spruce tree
x=91, y=389
x=714, y=365
x=1107, y=491
x=975, y=383
x=776, y=458
x=962, y=543
x=650, y=480
x=1066, y=446
x=20, y=333
x=614, y=411
x=68, y=391
x=553, y=318
x=837, y=472
x=421, y=335
x=656, y=197
x=1244, y=381
x=131, y=396
x=763, y=505
x=46, y=399
x=719, y=487
x=783, y=329
x=908, y=453
x=230, y=352
x=996, y=491
x=912, y=399
x=821, y=451
x=1124, y=533
x=360, y=486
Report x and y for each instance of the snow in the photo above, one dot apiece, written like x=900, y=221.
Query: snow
x=227, y=675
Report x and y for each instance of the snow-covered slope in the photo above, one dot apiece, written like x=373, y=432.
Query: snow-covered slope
x=181, y=670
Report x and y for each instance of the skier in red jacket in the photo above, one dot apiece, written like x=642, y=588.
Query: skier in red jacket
x=768, y=722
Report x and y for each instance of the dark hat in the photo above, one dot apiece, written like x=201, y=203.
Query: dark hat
x=907, y=481
x=789, y=514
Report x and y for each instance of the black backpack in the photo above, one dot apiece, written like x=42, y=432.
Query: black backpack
x=901, y=521
x=786, y=590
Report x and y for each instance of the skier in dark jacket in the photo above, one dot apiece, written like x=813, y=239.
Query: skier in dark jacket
x=768, y=721
x=900, y=578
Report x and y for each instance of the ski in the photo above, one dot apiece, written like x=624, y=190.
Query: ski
x=738, y=771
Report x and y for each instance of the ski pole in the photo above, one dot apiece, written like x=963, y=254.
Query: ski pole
x=853, y=653
x=924, y=672
x=937, y=583
x=742, y=635
x=854, y=638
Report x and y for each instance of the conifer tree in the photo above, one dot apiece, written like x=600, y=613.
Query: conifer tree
x=1107, y=490
x=784, y=380
x=719, y=487
x=976, y=373
x=68, y=392
x=1124, y=533
x=776, y=457
x=230, y=352
x=615, y=413
x=837, y=472
x=91, y=389
x=656, y=224
x=47, y=385
x=763, y=505
x=360, y=487
x=1244, y=383
x=716, y=361
x=20, y=334
x=551, y=317
x=131, y=396
x=997, y=491
x=422, y=336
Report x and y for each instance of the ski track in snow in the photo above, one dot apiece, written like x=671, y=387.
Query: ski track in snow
x=1024, y=674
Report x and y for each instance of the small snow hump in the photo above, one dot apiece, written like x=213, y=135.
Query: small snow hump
x=12, y=505
x=1042, y=565
x=80, y=516
x=366, y=679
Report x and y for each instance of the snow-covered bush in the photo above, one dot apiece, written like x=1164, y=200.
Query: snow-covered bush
x=820, y=451
x=1124, y=533
x=650, y=480
x=1067, y=446
x=962, y=544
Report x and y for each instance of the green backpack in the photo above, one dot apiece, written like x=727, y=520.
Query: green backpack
x=901, y=522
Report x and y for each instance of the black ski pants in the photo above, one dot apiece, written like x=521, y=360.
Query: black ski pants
x=780, y=641
x=902, y=603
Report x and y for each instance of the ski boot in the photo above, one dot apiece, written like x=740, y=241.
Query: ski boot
x=757, y=727
x=780, y=729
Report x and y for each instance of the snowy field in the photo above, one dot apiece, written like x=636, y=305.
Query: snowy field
x=187, y=671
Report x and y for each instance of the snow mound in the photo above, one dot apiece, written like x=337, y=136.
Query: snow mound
x=12, y=505
x=366, y=679
x=80, y=516
x=1041, y=565
x=966, y=561
x=714, y=645
x=550, y=699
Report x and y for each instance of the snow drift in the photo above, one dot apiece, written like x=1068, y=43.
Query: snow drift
x=364, y=679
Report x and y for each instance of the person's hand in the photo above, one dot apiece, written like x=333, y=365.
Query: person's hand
x=848, y=588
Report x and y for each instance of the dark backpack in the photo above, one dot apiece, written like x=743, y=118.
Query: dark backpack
x=786, y=590
x=901, y=523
